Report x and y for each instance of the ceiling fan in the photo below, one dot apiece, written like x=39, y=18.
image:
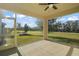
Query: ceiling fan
x=50, y=5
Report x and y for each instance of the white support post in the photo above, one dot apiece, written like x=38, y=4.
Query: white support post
x=45, y=29
x=0, y=26
x=15, y=32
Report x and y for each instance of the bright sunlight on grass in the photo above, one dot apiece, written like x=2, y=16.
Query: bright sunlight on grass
x=64, y=37
x=33, y=37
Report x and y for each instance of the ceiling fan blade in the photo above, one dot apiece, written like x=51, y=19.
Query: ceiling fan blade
x=47, y=3
x=55, y=7
x=46, y=8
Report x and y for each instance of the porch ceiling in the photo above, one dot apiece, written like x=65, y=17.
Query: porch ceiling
x=36, y=10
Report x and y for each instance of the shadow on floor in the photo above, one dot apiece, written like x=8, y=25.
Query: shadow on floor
x=10, y=52
x=70, y=51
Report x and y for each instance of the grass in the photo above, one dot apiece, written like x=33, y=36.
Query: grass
x=25, y=39
x=60, y=37
x=64, y=37
x=33, y=37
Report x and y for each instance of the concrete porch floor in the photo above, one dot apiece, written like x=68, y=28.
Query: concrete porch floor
x=44, y=48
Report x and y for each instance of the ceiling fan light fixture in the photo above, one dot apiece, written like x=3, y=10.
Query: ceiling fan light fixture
x=50, y=6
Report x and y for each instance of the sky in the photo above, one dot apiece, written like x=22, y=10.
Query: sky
x=22, y=19
x=70, y=17
x=31, y=21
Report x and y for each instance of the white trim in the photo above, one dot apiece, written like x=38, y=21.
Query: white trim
x=15, y=34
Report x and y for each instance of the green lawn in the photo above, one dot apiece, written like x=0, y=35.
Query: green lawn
x=33, y=37
x=60, y=37
x=64, y=37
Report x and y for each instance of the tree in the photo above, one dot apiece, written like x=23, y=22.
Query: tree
x=59, y=26
x=19, y=26
x=69, y=26
x=75, y=26
x=39, y=24
x=26, y=28
x=51, y=25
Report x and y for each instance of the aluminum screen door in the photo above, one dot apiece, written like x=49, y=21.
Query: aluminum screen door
x=7, y=34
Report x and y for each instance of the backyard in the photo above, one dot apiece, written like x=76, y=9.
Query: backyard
x=60, y=37
x=29, y=29
x=32, y=37
x=64, y=38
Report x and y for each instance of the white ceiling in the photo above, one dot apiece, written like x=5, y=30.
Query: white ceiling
x=36, y=10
